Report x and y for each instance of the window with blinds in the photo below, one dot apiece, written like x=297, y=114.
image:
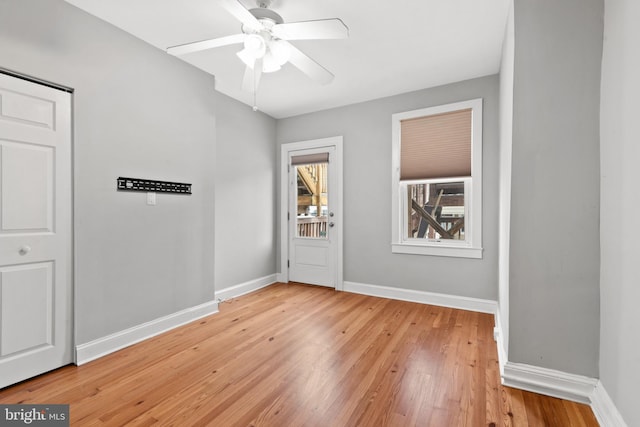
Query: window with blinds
x=437, y=161
x=436, y=146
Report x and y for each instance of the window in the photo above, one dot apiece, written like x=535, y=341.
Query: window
x=437, y=180
x=311, y=204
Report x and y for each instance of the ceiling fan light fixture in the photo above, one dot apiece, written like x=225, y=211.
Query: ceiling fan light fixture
x=247, y=57
x=255, y=44
x=255, y=48
x=269, y=63
x=280, y=51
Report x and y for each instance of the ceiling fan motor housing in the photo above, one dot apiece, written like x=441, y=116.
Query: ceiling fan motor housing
x=266, y=16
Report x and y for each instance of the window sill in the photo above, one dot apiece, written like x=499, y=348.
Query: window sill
x=433, y=250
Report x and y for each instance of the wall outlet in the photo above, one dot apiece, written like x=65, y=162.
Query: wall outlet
x=151, y=198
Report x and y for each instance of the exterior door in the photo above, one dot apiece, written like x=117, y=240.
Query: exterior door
x=314, y=216
x=35, y=229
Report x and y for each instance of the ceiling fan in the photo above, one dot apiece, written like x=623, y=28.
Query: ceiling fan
x=266, y=37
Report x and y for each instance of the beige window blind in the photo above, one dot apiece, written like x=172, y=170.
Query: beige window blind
x=310, y=159
x=436, y=146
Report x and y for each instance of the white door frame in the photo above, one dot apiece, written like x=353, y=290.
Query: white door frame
x=336, y=142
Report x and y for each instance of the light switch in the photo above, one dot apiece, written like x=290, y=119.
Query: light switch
x=151, y=198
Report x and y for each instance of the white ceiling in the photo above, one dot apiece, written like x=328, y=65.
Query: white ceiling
x=393, y=47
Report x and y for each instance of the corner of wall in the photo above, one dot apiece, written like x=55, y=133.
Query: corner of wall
x=604, y=409
x=498, y=336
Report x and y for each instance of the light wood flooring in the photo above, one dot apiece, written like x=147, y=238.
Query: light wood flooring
x=300, y=355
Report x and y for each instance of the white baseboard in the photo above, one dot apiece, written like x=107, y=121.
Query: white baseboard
x=102, y=346
x=572, y=387
x=282, y=278
x=245, y=288
x=444, y=300
x=604, y=409
x=557, y=384
x=549, y=382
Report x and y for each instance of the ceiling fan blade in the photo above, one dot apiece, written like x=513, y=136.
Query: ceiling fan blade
x=205, y=44
x=243, y=15
x=251, y=78
x=308, y=66
x=312, y=30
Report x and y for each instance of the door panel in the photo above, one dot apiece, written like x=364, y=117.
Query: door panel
x=26, y=170
x=27, y=108
x=35, y=229
x=311, y=255
x=32, y=283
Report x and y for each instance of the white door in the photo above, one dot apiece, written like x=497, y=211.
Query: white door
x=314, y=216
x=35, y=229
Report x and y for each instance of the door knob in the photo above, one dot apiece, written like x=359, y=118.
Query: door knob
x=24, y=250
x=331, y=224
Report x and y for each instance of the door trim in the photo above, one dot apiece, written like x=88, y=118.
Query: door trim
x=35, y=80
x=335, y=141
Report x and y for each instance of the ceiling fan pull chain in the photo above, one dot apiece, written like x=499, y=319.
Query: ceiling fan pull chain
x=255, y=83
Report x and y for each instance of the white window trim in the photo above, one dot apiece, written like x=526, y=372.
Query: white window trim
x=472, y=246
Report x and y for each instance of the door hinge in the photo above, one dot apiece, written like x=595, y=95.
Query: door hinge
x=288, y=216
x=287, y=263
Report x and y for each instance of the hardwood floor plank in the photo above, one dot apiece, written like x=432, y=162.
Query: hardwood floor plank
x=302, y=355
x=518, y=408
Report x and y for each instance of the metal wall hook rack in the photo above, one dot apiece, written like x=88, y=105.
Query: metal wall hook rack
x=150, y=185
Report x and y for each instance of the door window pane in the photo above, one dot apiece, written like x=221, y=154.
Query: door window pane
x=311, y=202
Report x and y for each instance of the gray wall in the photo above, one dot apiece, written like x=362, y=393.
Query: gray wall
x=137, y=112
x=245, y=195
x=620, y=198
x=554, y=248
x=506, y=142
x=366, y=129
